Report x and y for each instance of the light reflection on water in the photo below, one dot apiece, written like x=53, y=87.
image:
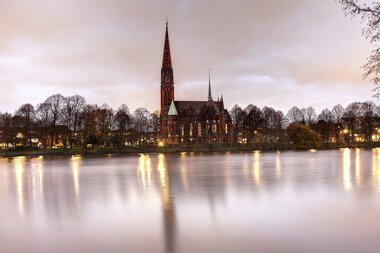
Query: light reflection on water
x=316, y=201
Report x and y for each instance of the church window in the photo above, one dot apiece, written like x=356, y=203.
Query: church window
x=191, y=129
x=226, y=128
x=199, y=129
x=182, y=130
x=214, y=128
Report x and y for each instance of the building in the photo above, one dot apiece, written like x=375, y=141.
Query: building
x=190, y=122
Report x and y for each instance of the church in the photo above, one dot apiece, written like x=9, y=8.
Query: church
x=188, y=123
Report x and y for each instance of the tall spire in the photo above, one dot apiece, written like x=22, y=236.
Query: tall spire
x=167, y=60
x=209, y=98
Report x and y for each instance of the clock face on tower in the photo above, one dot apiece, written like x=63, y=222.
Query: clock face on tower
x=167, y=79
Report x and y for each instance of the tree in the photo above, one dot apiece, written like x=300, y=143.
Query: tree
x=351, y=116
x=309, y=115
x=155, y=124
x=238, y=117
x=87, y=123
x=303, y=137
x=294, y=115
x=104, y=124
x=27, y=116
x=369, y=13
x=254, y=120
x=337, y=113
x=8, y=129
x=141, y=123
x=55, y=103
x=72, y=107
x=122, y=122
x=326, y=116
x=269, y=118
x=325, y=121
x=368, y=114
x=43, y=112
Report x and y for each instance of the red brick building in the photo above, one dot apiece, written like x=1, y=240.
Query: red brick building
x=190, y=122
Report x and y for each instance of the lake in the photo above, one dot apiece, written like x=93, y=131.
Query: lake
x=306, y=201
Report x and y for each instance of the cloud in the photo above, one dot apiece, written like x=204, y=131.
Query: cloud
x=261, y=52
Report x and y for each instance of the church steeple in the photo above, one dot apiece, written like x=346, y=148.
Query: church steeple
x=209, y=98
x=167, y=77
x=167, y=60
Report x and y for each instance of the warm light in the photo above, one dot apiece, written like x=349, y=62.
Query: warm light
x=357, y=167
x=278, y=165
x=347, y=169
x=376, y=167
x=161, y=144
x=145, y=170
x=256, y=167
x=312, y=150
x=75, y=164
x=19, y=164
x=345, y=131
x=164, y=182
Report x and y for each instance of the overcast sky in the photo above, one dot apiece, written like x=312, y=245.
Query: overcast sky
x=278, y=53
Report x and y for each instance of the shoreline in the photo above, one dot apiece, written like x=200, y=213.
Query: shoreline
x=100, y=152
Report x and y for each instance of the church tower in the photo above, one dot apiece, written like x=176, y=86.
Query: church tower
x=167, y=84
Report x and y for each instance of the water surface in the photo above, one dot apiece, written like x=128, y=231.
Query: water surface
x=324, y=201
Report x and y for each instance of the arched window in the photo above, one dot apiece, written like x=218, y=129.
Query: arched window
x=214, y=128
x=182, y=130
x=191, y=130
x=199, y=129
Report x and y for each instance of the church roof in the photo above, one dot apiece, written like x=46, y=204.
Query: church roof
x=172, y=110
x=198, y=108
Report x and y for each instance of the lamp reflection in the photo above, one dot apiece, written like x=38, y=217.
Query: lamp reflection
x=278, y=165
x=357, y=167
x=145, y=170
x=376, y=168
x=75, y=165
x=4, y=175
x=347, y=184
x=19, y=164
x=256, y=167
x=168, y=207
x=184, y=171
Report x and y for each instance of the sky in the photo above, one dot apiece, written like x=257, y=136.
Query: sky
x=277, y=53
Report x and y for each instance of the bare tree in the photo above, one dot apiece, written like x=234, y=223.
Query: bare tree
x=326, y=116
x=369, y=13
x=87, y=123
x=351, y=117
x=27, y=115
x=309, y=115
x=123, y=120
x=43, y=113
x=295, y=115
x=337, y=113
x=368, y=113
x=8, y=129
x=238, y=117
x=104, y=122
x=254, y=121
x=55, y=102
x=141, y=123
x=71, y=110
